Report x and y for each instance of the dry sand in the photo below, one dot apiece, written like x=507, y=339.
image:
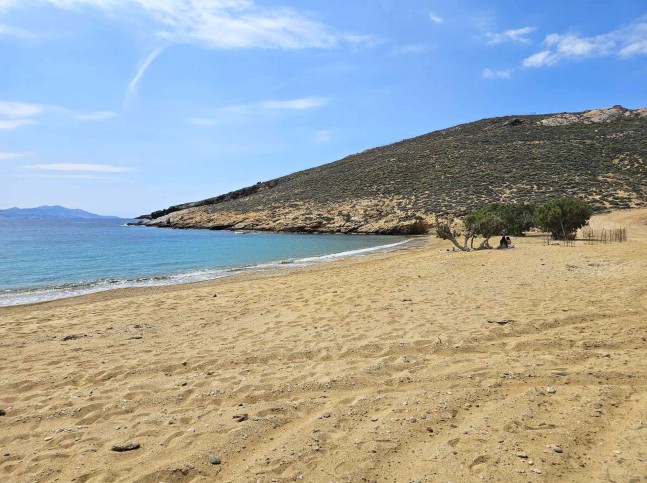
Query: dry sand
x=388, y=368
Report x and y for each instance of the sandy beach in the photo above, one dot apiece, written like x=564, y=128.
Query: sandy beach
x=419, y=364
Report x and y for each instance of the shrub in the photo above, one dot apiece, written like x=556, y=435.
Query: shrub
x=563, y=217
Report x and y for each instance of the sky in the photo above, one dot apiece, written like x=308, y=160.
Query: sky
x=122, y=107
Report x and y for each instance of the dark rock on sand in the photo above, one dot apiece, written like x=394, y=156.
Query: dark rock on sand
x=214, y=460
x=126, y=447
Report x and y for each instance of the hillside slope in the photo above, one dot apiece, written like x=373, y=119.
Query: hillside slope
x=598, y=155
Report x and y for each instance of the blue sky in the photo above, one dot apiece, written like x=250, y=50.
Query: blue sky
x=126, y=106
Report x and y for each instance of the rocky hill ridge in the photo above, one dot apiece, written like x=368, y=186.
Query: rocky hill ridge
x=598, y=155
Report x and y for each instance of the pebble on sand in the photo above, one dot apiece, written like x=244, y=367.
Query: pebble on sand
x=125, y=447
x=2, y=412
x=214, y=460
x=551, y=390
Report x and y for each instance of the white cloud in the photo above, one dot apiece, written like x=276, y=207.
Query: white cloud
x=9, y=31
x=513, y=35
x=295, y=104
x=623, y=43
x=541, y=59
x=435, y=18
x=96, y=116
x=100, y=168
x=17, y=114
x=497, y=74
x=20, y=109
x=634, y=48
x=243, y=110
x=218, y=24
x=6, y=155
x=14, y=123
x=322, y=137
x=215, y=24
x=411, y=49
x=131, y=91
x=66, y=176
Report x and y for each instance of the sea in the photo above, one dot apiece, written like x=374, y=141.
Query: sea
x=50, y=259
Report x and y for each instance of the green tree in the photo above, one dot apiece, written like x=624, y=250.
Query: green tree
x=517, y=218
x=563, y=217
x=485, y=223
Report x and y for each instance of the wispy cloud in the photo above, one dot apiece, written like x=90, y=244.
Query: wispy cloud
x=99, y=168
x=622, y=43
x=322, y=137
x=96, y=116
x=222, y=113
x=295, y=104
x=497, y=74
x=215, y=24
x=435, y=18
x=6, y=155
x=411, y=49
x=218, y=24
x=9, y=31
x=131, y=91
x=66, y=176
x=20, y=109
x=514, y=35
x=17, y=114
x=14, y=123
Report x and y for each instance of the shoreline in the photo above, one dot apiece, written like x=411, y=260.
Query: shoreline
x=415, y=364
x=40, y=295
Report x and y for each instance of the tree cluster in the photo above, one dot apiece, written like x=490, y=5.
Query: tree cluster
x=561, y=217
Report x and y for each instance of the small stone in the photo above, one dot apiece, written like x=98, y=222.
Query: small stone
x=453, y=425
x=560, y=373
x=551, y=390
x=373, y=419
x=191, y=430
x=214, y=460
x=241, y=417
x=326, y=415
x=48, y=439
x=522, y=454
x=2, y=412
x=536, y=470
x=430, y=429
x=126, y=447
x=558, y=449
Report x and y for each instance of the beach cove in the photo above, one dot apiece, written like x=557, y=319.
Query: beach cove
x=419, y=364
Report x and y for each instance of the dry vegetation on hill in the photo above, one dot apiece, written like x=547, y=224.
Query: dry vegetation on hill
x=598, y=155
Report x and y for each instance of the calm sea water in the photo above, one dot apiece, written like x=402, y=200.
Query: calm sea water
x=50, y=259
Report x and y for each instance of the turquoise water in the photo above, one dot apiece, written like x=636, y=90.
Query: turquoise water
x=49, y=259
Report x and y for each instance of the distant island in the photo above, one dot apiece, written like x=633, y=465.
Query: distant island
x=597, y=155
x=52, y=213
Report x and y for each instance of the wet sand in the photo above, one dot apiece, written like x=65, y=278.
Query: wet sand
x=420, y=364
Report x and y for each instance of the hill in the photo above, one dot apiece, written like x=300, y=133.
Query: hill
x=598, y=155
x=50, y=212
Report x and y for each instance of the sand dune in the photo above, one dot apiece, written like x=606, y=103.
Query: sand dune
x=415, y=365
